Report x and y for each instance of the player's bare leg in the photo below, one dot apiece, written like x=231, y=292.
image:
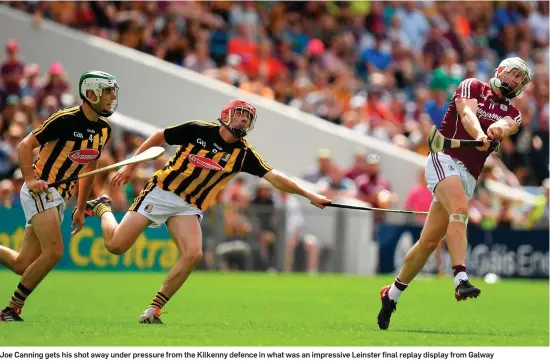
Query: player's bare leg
x=440, y=272
x=118, y=238
x=187, y=235
x=47, y=228
x=453, y=198
x=432, y=233
x=312, y=259
x=289, y=254
x=430, y=238
x=18, y=262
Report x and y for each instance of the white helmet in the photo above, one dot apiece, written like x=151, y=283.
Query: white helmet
x=508, y=70
x=96, y=81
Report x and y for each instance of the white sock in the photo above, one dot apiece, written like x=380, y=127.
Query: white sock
x=394, y=293
x=460, y=276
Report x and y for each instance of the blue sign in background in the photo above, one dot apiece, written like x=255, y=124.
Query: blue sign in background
x=508, y=253
x=153, y=250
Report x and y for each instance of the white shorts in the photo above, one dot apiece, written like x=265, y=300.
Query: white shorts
x=441, y=165
x=159, y=205
x=36, y=203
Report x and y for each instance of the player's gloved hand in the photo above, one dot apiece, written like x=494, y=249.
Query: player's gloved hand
x=123, y=175
x=319, y=200
x=37, y=186
x=78, y=221
x=486, y=143
x=495, y=132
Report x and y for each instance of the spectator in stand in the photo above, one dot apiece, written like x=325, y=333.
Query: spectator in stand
x=30, y=84
x=359, y=166
x=419, y=198
x=8, y=150
x=324, y=161
x=374, y=189
x=11, y=71
x=56, y=84
x=198, y=60
x=264, y=219
x=295, y=235
x=336, y=185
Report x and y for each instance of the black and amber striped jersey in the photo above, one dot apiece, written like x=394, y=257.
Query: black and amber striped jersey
x=68, y=143
x=204, y=163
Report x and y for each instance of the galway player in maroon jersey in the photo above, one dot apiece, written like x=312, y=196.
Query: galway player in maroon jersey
x=477, y=111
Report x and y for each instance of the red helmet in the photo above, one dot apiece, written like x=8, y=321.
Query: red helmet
x=238, y=108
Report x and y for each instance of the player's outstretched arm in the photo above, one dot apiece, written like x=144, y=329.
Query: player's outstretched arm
x=467, y=109
x=25, y=155
x=122, y=176
x=285, y=184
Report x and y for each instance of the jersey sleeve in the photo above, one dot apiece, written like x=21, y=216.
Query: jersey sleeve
x=515, y=114
x=470, y=88
x=180, y=134
x=254, y=164
x=51, y=129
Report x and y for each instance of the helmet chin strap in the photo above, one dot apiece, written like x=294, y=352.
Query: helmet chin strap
x=237, y=132
x=102, y=113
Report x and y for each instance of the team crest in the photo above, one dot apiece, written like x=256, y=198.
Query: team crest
x=49, y=197
x=504, y=107
x=225, y=157
x=148, y=208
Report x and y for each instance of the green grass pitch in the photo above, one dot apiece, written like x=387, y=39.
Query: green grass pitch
x=212, y=309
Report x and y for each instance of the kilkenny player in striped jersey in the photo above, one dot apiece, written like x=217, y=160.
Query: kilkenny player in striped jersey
x=70, y=141
x=208, y=157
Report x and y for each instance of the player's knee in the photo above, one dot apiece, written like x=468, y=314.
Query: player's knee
x=193, y=255
x=115, y=249
x=20, y=267
x=114, y=246
x=53, y=253
x=428, y=243
x=459, y=214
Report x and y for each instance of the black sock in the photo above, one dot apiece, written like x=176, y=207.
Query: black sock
x=159, y=301
x=19, y=296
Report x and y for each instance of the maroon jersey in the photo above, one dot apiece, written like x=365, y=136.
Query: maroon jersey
x=490, y=109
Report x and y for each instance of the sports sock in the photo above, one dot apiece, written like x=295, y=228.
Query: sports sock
x=396, y=289
x=159, y=301
x=19, y=296
x=102, y=209
x=459, y=272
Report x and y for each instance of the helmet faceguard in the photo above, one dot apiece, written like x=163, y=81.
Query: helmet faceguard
x=512, y=76
x=98, y=82
x=237, y=111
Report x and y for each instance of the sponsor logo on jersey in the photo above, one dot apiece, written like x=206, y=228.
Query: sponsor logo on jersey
x=483, y=113
x=203, y=162
x=84, y=156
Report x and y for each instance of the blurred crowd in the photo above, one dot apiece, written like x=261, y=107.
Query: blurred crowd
x=384, y=69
